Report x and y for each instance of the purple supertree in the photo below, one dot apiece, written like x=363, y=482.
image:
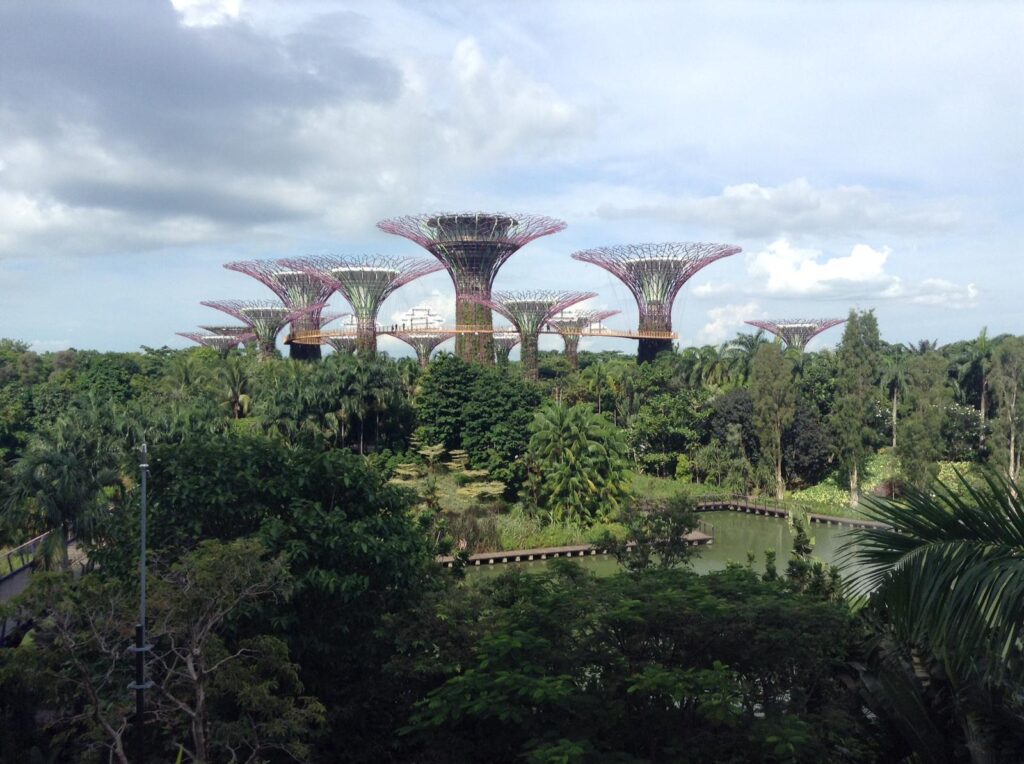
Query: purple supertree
x=297, y=289
x=528, y=311
x=504, y=341
x=265, y=318
x=796, y=332
x=221, y=342
x=423, y=341
x=571, y=324
x=472, y=247
x=655, y=273
x=365, y=281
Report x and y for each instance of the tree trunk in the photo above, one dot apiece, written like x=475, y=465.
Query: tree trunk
x=895, y=400
x=854, y=486
x=984, y=409
x=780, y=487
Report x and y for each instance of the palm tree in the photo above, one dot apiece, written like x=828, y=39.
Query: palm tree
x=976, y=362
x=947, y=568
x=894, y=380
x=235, y=391
x=739, y=353
x=57, y=486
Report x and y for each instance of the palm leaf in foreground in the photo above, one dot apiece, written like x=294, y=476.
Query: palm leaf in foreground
x=949, y=570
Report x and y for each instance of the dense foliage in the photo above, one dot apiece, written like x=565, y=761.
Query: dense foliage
x=297, y=610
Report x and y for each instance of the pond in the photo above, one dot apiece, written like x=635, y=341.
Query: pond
x=736, y=534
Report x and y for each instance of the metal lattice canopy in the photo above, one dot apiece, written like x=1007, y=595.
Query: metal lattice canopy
x=655, y=273
x=221, y=342
x=529, y=310
x=574, y=322
x=796, y=332
x=422, y=341
x=265, y=318
x=227, y=331
x=505, y=340
x=296, y=288
x=364, y=280
x=472, y=246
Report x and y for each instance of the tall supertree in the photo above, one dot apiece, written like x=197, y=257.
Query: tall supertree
x=528, y=311
x=366, y=281
x=571, y=324
x=297, y=289
x=423, y=341
x=797, y=332
x=265, y=318
x=504, y=341
x=655, y=273
x=473, y=246
x=221, y=342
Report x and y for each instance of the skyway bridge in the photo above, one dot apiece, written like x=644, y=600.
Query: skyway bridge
x=321, y=337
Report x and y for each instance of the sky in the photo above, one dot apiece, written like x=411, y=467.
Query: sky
x=864, y=155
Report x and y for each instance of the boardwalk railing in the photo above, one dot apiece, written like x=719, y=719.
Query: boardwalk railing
x=16, y=560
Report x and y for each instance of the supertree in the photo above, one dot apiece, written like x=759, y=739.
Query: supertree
x=528, y=311
x=265, y=318
x=655, y=273
x=365, y=281
x=221, y=342
x=571, y=324
x=504, y=341
x=797, y=332
x=472, y=246
x=423, y=341
x=297, y=289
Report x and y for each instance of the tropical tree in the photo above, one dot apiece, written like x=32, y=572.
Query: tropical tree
x=739, y=354
x=576, y=462
x=235, y=387
x=894, y=380
x=927, y=398
x=1008, y=388
x=775, y=396
x=944, y=570
x=974, y=362
x=852, y=417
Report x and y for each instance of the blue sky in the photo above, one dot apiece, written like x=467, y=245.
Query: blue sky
x=863, y=154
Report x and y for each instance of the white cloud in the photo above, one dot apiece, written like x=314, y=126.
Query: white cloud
x=725, y=321
x=782, y=270
x=793, y=208
x=790, y=270
x=207, y=13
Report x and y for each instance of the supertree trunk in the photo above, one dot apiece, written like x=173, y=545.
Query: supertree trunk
x=268, y=347
x=528, y=356
x=366, y=336
x=649, y=347
x=572, y=350
x=475, y=348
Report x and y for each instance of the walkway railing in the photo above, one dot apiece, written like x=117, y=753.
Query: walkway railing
x=16, y=560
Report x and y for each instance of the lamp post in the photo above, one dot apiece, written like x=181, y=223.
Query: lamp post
x=140, y=685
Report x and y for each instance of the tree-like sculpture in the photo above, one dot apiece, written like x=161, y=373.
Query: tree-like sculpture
x=504, y=341
x=228, y=331
x=423, y=341
x=655, y=273
x=797, y=332
x=221, y=342
x=529, y=311
x=365, y=281
x=571, y=324
x=473, y=246
x=265, y=318
x=297, y=289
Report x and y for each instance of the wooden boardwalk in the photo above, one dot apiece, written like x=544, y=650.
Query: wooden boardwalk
x=744, y=504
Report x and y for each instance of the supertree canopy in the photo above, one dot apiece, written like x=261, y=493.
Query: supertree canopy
x=528, y=311
x=472, y=246
x=504, y=341
x=365, y=281
x=265, y=318
x=423, y=341
x=223, y=342
x=228, y=331
x=655, y=273
x=297, y=289
x=571, y=324
x=797, y=332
